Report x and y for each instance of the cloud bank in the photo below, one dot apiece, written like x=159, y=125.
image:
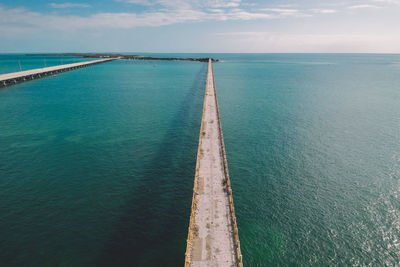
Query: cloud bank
x=167, y=12
x=318, y=27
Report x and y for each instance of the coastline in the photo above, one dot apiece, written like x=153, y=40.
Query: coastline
x=123, y=56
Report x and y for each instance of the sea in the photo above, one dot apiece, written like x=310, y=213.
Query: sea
x=97, y=164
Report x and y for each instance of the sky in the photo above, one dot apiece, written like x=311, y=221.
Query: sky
x=203, y=26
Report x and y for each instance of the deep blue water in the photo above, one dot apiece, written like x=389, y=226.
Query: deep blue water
x=97, y=164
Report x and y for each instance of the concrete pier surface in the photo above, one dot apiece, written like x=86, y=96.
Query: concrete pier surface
x=213, y=236
x=16, y=77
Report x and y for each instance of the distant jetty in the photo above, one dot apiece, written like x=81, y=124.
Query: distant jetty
x=122, y=56
x=22, y=76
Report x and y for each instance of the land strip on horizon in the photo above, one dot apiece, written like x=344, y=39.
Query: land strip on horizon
x=124, y=56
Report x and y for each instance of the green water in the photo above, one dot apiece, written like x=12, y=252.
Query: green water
x=313, y=147
x=97, y=164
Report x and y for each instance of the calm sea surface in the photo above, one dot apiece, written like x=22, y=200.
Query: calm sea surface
x=97, y=164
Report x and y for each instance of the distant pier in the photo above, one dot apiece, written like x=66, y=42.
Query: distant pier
x=21, y=76
x=125, y=56
x=213, y=238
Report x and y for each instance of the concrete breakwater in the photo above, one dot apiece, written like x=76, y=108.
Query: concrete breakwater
x=213, y=238
x=21, y=76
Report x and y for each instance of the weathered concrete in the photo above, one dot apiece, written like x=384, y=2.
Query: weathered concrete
x=213, y=237
x=21, y=76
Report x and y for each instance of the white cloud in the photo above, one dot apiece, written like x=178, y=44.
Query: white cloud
x=18, y=23
x=239, y=14
x=216, y=10
x=18, y=20
x=225, y=3
x=263, y=42
x=160, y=12
x=394, y=2
x=323, y=11
x=363, y=7
x=68, y=5
x=284, y=12
x=193, y=4
x=287, y=5
x=281, y=10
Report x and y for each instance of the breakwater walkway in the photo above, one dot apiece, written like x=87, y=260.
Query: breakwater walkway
x=21, y=76
x=213, y=238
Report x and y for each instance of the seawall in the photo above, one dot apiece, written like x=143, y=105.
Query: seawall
x=213, y=238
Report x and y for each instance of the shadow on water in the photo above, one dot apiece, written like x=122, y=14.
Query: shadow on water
x=153, y=228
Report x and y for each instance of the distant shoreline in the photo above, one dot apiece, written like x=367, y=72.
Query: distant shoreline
x=122, y=56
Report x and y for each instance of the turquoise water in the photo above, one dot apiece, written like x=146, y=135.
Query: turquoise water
x=313, y=147
x=97, y=164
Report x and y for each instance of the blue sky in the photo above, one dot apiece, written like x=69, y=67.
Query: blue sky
x=252, y=26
